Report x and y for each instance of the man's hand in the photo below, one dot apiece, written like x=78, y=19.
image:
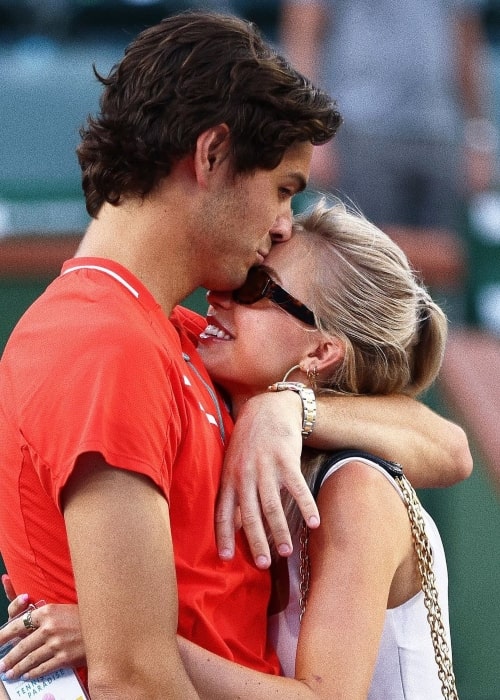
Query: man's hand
x=263, y=458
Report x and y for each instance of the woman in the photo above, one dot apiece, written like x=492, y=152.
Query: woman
x=353, y=320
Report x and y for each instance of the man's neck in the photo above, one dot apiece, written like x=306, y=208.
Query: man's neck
x=125, y=235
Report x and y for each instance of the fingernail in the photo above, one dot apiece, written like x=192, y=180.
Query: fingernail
x=9, y=675
x=24, y=597
x=313, y=521
x=262, y=561
x=226, y=554
x=285, y=550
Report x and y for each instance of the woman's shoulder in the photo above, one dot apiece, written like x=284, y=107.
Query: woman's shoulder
x=360, y=502
x=367, y=465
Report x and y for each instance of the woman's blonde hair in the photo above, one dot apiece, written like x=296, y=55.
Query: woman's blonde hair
x=364, y=292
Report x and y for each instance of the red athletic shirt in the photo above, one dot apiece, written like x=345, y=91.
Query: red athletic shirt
x=95, y=366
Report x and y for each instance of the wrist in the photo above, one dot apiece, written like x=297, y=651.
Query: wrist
x=308, y=401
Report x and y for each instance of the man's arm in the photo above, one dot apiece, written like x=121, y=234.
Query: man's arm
x=264, y=457
x=120, y=542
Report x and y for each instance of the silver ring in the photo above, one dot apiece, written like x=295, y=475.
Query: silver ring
x=28, y=622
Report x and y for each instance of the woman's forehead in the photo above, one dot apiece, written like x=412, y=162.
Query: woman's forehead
x=293, y=256
x=288, y=253
x=294, y=263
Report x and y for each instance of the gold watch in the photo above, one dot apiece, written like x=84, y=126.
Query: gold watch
x=308, y=399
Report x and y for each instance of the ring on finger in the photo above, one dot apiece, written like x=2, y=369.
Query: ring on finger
x=28, y=622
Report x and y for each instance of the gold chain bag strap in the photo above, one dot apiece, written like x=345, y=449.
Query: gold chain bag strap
x=425, y=563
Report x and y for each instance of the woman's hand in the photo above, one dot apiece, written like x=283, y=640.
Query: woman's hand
x=56, y=642
x=8, y=587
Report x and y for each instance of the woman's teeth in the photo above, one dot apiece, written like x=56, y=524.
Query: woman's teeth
x=214, y=332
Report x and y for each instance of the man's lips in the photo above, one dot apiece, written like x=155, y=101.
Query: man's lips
x=262, y=254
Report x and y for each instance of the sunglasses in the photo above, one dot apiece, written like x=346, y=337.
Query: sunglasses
x=259, y=285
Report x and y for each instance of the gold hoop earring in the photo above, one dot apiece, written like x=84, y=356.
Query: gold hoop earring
x=289, y=372
x=312, y=376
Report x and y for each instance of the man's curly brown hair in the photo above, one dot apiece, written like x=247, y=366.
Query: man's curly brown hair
x=192, y=71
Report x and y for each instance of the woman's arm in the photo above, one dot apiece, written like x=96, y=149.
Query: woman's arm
x=433, y=450
x=219, y=679
x=354, y=556
x=57, y=643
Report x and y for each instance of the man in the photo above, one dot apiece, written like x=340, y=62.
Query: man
x=112, y=434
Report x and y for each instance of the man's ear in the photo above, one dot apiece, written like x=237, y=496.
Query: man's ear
x=327, y=354
x=212, y=149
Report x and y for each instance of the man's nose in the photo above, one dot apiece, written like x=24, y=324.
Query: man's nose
x=281, y=230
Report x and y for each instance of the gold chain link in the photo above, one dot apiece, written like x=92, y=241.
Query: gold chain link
x=434, y=616
x=304, y=568
x=425, y=562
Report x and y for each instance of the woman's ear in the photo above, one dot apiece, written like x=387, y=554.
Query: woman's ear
x=212, y=149
x=327, y=354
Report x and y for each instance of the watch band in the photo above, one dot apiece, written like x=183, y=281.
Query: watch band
x=308, y=403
